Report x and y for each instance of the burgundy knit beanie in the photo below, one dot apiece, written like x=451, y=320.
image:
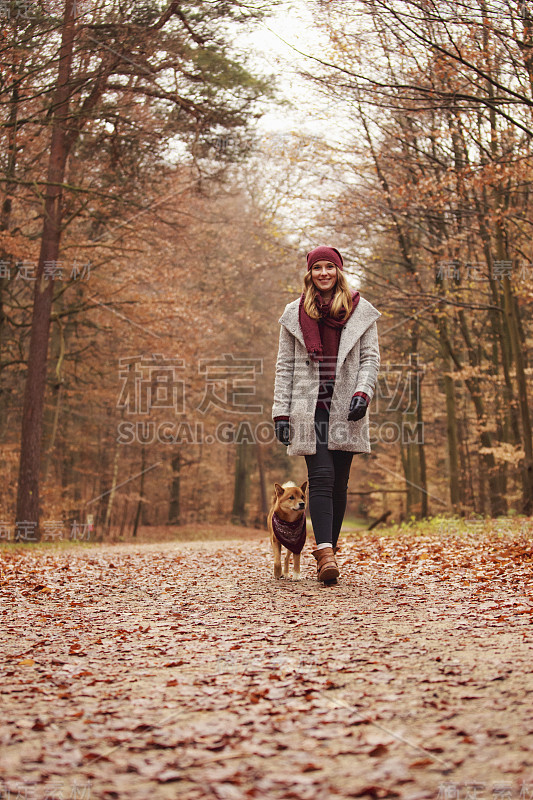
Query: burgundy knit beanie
x=324, y=254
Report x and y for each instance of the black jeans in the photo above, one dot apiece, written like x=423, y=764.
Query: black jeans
x=328, y=473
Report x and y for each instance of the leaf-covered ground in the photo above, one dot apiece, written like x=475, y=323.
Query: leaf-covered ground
x=184, y=670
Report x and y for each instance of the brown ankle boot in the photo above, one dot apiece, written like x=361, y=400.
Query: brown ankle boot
x=326, y=565
x=332, y=581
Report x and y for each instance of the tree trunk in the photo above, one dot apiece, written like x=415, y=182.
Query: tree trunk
x=125, y=510
x=451, y=435
x=28, y=507
x=265, y=505
x=421, y=448
x=240, y=491
x=109, y=509
x=412, y=506
x=5, y=212
x=58, y=396
x=174, y=511
x=521, y=380
x=140, y=504
x=104, y=478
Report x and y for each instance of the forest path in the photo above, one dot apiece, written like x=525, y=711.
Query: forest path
x=185, y=670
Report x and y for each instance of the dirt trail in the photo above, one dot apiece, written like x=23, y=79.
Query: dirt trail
x=184, y=670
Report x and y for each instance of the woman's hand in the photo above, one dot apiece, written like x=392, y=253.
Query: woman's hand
x=282, y=427
x=358, y=408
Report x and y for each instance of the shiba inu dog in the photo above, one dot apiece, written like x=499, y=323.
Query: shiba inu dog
x=286, y=523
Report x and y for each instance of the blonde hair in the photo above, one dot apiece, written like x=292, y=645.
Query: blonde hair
x=342, y=299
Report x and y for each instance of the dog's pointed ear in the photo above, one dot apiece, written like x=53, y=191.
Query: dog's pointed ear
x=303, y=487
x=279, y=489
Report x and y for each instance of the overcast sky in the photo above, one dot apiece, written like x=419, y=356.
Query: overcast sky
x=271, y=48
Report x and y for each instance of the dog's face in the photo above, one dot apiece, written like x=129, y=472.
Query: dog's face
x=290, y=498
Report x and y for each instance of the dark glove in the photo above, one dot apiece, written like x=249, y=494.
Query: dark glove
x=358, y=408
x=282, y=431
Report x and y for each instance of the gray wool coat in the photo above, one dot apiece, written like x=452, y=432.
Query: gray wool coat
x=297, y=381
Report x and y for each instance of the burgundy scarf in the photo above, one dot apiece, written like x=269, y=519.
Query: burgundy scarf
x=322, y=336
x=290, y=534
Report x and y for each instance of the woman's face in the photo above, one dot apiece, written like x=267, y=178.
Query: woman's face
x=324, y=275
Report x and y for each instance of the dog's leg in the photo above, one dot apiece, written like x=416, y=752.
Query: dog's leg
x=286, y=564
x=296, y=566
x=276, y=550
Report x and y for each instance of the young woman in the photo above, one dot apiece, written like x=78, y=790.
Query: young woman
x=326, y=371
